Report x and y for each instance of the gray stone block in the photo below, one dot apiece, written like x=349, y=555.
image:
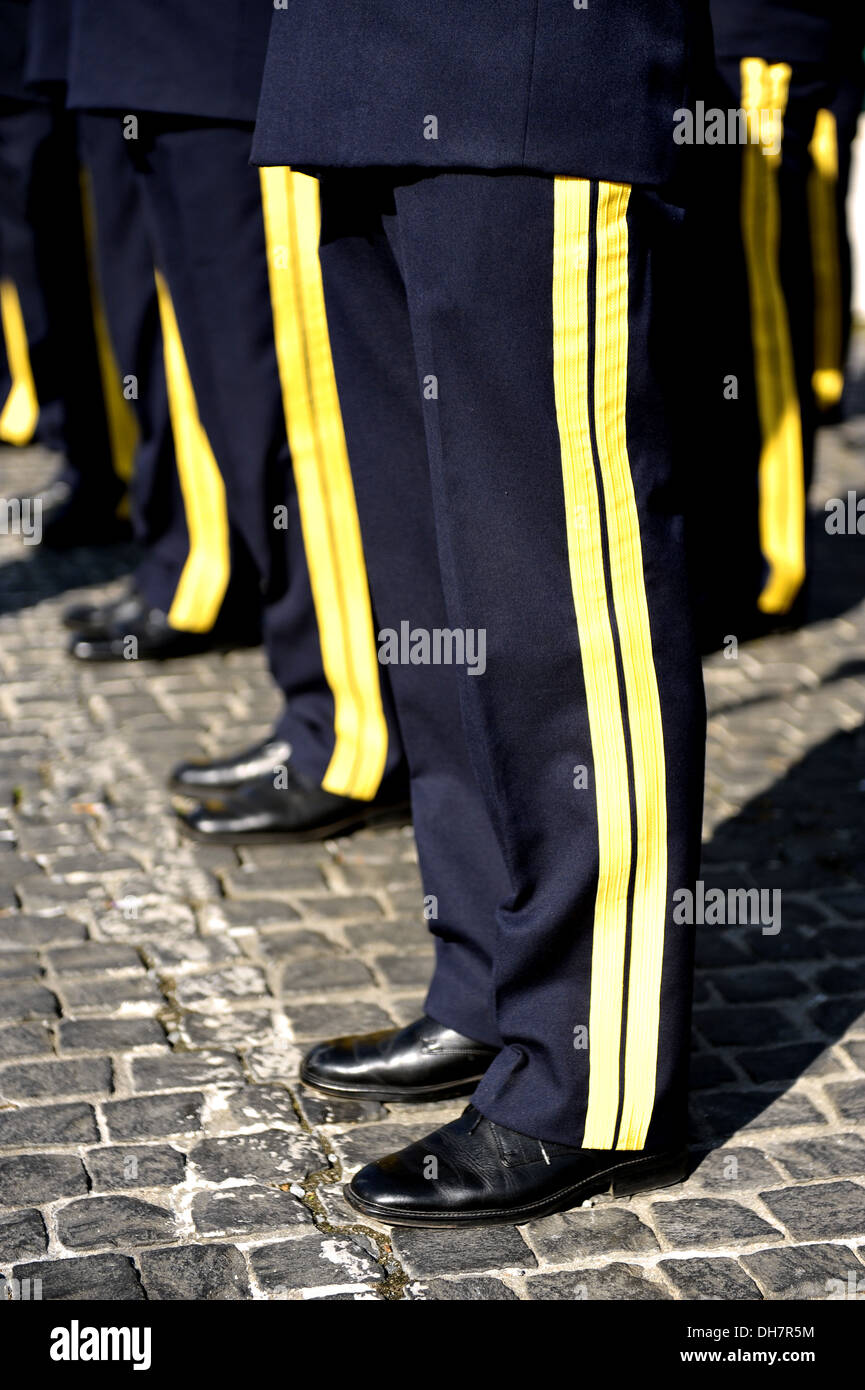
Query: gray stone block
x=22, y=1235
x=154, y=1117
x=195, y=1273
x=116, y=1168
x=122, y=1222
x=703, y=1223
x=824, y=1211
x=50, y=1124
x=40, y=1177
x=247, y=1210
x=88, y=1279
x=712, y=1280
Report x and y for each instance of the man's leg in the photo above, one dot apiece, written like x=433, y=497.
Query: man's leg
x=243, y=309
x=125, y=268
x=777, y=341
x=187, y=567
x=45, y=258
x=545, y=311
x=463, y=871
x=545, y=321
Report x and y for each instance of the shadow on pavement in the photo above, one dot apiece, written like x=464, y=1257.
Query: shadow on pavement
x=788, y=996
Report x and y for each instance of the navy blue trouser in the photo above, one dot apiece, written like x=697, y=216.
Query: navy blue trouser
x=777, y=307
x=124, y=258
x=503, y=347
x=291, y=522
x=44, y=256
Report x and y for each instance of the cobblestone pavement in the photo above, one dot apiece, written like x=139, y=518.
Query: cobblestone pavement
x=155, y=995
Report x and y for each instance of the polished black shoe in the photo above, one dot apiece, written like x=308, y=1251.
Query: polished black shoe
x=198, y=778
x=97, y=619
x=142, y=633
x=476, y=1173
x=264, y=812
x=75, y=516
x=424, y=1061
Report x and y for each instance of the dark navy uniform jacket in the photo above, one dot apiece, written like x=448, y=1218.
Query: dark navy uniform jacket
x=791, y=31
x=177, y=57
x=48, y=43
x=13, y=49
x=480, y=84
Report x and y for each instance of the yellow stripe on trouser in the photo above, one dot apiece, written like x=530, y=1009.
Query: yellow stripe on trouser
x=638, y=665
x=119, y=415
x=205, y=575
x=585, y=531
x=781, y=469
x=325, y=492
x=20, y=411
x=828, y=376
x=585, y=552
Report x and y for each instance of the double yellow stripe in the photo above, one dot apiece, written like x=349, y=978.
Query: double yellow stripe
x=20, y=411
x=326, y=500
x=205, y=575
x=828, y=377
x=781, y=469
x=588, y=582
x=616, y=718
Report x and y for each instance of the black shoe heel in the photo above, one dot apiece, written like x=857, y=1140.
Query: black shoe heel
x=668, y=1170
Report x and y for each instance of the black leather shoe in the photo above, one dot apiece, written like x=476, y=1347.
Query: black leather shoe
x=198, y=778
x=261, y=813
x=476, y=1173
x=74, y=516
x=97, y=619
x=142, y=633
x=424, y=1061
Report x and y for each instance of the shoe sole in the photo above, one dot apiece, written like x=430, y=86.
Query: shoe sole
x=201, y=793
x=395, y=816
x=423, y=1094
x=84, y=632
x=107, y=658
x=669, y=1170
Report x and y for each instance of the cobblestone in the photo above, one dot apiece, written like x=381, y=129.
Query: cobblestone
x=131, y=1165
x=709, y=1280
x=819, y=1211
x=124, y=1222
x=22, y=1233
x=154, y=1117
x=454, y=1252
x=26, y=1178
x=804, y=1271
x=200, y=1272
x=313, y=1262
x=246, y=1210
x=619, y=1282
x=471, y=1290
x=111, y=1277
x=156, y=995
x=35, y=1080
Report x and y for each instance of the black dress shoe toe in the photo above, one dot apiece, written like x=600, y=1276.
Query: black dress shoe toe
x=97, y=619
x=477, y=1173
x=423, y=1062
x=268, y=810
x=198, y=778
x=138, y=632
x=122, y=642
